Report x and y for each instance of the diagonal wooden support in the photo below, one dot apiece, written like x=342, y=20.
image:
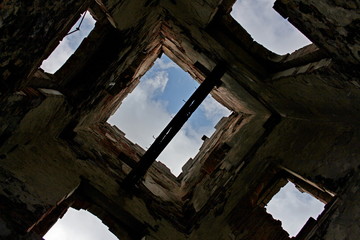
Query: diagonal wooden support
x=214, y=79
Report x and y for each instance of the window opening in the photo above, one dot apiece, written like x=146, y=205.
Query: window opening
x=161, y=93
x=79, y=225
x=293, y=208
x=69, y=43
x=267, y=27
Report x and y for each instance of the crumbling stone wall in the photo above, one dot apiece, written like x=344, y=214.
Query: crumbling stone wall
x=30, y=31
x=296, y=113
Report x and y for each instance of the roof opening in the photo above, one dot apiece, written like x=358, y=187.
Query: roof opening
x=160, y=94
x=69, y=43
x=293, y=208
x=79, y=225
x=267, y=27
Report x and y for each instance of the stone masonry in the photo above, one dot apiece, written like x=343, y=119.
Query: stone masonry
x=295, y=118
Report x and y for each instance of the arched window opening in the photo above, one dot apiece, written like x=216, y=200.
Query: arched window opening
x=79, y=225
x=293, y=208
x=267, y=27
x=69, y=43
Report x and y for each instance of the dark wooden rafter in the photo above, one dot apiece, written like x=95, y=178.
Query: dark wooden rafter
x=212, y=80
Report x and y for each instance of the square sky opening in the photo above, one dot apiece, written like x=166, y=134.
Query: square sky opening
x=69, y=43
x=161, y=93
x=268, y=27
x=293, y=208
x=80, y=225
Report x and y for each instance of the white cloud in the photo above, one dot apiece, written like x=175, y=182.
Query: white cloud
x=156, y=83
x=58, y=57
x=68, y=45
x=293, y=208
x=79, y=225
x=184, y=145
x=213, y=110
x=140, y=116
x=187, y=142
x=267, y=27
x=161, y=64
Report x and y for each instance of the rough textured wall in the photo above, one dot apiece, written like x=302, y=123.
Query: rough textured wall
x=295, y=117
x=334, y=21
x=29, y=31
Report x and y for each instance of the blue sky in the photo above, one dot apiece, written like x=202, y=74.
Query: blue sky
x=149, y=108
x=162, y=92
x=68, y=45
x=79, y=225
x=267, y=27
x=293, y=208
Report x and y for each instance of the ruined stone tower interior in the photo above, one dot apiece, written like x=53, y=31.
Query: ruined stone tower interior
x=295, y=118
